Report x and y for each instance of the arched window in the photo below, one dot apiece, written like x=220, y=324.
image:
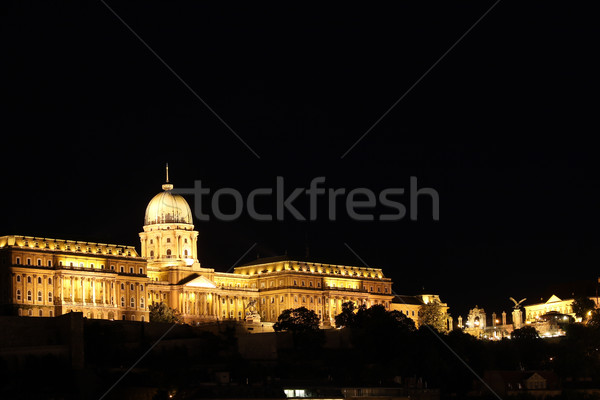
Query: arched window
x=39, y=262
x=141, y=288
x=132, y=302
x=141, y=302
x=168, y=252
x=131, y=270
x=131, y=287
x=18, y=260
x=122, y=301
x=185, y=253
x=39, y=280
x=49, y=281
x=18, y=295
x=49, y=297
x=18, y=278
x=152, y=253
x=30, y=312
x=41, y=314
x=39, y=296
x=122, y=286
x=141, y=271
x=20, y=312
x=49, y=263
x=142, y=318
x=81, y=265
x=28, y=279
x=29, y=295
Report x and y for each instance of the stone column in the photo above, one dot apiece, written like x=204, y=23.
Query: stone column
x=93, y=288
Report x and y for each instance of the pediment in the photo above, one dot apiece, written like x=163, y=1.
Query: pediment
x=553, y=299
x=201, y=282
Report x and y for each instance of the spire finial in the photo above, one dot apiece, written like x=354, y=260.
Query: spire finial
x=167, y=185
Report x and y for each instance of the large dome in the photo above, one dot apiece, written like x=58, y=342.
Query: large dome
x=166, y=208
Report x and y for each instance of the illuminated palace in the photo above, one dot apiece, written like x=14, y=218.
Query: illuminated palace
x=50, y=277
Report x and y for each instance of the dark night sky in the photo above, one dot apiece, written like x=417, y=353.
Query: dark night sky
x=501, y=128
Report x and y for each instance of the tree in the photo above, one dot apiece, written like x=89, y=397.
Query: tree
x=160, y=312
x=582, y=307
x=433, y=314
x=526, y=333
x=297, y=320
x=347, y=316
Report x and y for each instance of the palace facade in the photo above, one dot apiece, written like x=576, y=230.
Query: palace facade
x=50, y=277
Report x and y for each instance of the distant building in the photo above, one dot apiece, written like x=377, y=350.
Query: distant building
x=535, y=312
x=42, y=277
x=511, y=383
x=411, y=306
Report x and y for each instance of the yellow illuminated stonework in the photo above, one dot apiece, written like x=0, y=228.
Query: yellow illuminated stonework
x=49, y=277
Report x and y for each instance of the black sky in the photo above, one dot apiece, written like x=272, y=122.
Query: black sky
x=502, y=128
